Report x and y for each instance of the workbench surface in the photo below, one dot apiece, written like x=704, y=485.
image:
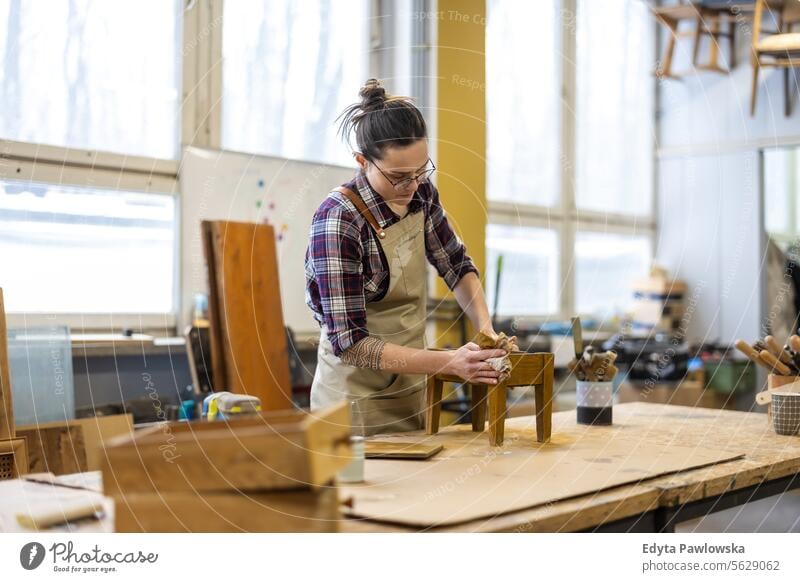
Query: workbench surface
x=767, y=464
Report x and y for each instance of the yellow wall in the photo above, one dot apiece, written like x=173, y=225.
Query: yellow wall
x=461, y=123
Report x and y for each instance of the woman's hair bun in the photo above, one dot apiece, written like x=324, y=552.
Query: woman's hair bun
x=372, y=95
x=381, y=120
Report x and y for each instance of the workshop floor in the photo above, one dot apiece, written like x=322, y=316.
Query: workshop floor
x=778, y=514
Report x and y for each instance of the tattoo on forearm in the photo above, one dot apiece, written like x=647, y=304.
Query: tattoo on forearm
x=365, y=353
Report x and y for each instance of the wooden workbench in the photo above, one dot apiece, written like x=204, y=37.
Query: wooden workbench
x=770, y=465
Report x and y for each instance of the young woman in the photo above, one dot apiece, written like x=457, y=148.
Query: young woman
x=366, y=273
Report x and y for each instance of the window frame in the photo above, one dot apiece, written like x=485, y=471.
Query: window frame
x=76, y=167
x=565, y=216
x=200, y=126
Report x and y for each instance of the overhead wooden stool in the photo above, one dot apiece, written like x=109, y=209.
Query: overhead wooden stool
x=526, y=370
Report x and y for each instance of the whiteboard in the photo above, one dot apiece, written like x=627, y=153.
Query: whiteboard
x=220, y=185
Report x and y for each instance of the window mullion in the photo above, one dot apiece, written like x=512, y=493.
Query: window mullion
x=202, y=74
x=567, y=157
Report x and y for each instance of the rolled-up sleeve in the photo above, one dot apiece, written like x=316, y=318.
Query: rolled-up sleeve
x=444, y=249
x=335, y=253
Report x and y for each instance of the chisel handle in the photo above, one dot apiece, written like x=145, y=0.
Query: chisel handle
x=747, y=350
x=776, y=350
x=774, y=363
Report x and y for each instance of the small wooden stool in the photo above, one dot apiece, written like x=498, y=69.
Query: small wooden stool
x=526, y=370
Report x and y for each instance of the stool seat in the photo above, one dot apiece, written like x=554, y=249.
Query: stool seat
x=536, y=369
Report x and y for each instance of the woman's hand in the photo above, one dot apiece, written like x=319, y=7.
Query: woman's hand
x=469, y=363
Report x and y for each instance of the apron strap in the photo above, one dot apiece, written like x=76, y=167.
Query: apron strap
x=362, y=208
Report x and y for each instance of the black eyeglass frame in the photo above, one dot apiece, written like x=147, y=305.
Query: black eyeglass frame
x=420, y=178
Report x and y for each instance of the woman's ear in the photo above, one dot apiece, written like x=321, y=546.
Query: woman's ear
x=360, y=160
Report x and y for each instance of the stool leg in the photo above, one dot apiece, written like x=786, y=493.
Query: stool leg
x=433, y=404
x=478, y=406
x=544, y=402
x=497, y=413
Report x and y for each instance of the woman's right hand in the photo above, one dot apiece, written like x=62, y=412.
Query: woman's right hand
x=469, y=363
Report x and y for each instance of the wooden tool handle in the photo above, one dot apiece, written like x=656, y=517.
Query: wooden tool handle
x=750, y=352
x=776, y=350
x=774, y=363
x=746, y=349
x=794, y=343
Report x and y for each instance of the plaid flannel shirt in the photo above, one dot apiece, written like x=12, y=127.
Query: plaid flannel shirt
x=346, y=268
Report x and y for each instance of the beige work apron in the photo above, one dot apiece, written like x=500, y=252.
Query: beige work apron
x=383, y=402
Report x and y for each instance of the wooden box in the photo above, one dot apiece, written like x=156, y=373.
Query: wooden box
x=303, y=510
x=275, y=450
x=13, y=458
x=72, y=446
x=55, y=447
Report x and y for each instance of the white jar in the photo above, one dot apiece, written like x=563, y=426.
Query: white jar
x=594, y=402
x=354, y=471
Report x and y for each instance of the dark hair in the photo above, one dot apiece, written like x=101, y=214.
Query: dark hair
x=381, y=120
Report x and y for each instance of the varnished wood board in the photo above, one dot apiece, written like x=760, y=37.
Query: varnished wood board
x=246, y=312
x=400, y=450
x=472, y=481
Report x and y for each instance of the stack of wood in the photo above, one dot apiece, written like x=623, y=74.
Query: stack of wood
x=270, y=473
x=592, y=367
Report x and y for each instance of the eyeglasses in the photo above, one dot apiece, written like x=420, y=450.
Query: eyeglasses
x=420, y=178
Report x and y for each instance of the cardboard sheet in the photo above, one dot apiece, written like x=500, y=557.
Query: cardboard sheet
x=470, y=480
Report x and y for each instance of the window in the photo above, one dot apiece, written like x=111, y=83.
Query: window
x=82, y=250
x=289, y=68
x=84, y=68
x=570, y=142
x=522, y=101
x=606, y=265
x=529, y=276
x=781, y=181
x=614, y=113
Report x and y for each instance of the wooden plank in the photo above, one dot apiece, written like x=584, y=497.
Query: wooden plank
x=278, y=450
x=290, y=511
x=248, y=313
x=6, y=403
x=400, y=450
x=55, y=447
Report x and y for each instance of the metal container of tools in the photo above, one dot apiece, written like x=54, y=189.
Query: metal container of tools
x=595, y=401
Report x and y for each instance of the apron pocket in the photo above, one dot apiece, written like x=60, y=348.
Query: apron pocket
x=410, y=259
